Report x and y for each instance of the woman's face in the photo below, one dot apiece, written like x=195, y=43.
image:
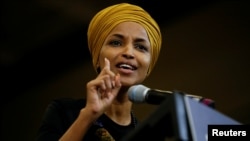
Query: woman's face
x=127, y=48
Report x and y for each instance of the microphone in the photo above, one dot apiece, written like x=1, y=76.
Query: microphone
x=143, y=94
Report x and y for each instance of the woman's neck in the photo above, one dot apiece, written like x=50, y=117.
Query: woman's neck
x=120, y=110
x=121, y=114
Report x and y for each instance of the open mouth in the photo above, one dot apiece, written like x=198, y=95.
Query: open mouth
x=126, y=66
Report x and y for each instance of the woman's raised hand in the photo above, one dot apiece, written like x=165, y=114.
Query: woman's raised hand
x=102, y=90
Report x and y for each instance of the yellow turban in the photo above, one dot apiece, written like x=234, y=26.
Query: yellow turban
x=105, y=20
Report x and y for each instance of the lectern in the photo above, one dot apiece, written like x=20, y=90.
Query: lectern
x=178, y=118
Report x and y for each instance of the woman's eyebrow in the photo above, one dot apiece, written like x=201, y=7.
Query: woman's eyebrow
x=122, y=37
x=118, y=35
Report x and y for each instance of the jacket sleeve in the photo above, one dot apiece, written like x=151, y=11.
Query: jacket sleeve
x=58, y=117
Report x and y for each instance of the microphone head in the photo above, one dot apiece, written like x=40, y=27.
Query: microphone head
x=137, y=93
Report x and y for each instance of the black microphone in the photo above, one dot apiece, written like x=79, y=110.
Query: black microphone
x=143, y=94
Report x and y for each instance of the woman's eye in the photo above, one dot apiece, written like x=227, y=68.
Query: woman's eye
x=115, y=43
x=141, y=47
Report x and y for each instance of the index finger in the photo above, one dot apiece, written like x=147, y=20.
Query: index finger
x=107, y=63
x=107, y=68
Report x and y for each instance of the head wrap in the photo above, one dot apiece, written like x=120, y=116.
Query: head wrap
x=105, y=20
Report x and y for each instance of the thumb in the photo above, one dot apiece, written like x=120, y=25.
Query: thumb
x=117, y=82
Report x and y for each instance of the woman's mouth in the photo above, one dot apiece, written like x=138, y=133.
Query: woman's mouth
x=126, y=68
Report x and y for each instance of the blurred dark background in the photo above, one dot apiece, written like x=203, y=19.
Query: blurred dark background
x=44, y=56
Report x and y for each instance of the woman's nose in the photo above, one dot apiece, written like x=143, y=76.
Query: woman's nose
x=128, y=52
